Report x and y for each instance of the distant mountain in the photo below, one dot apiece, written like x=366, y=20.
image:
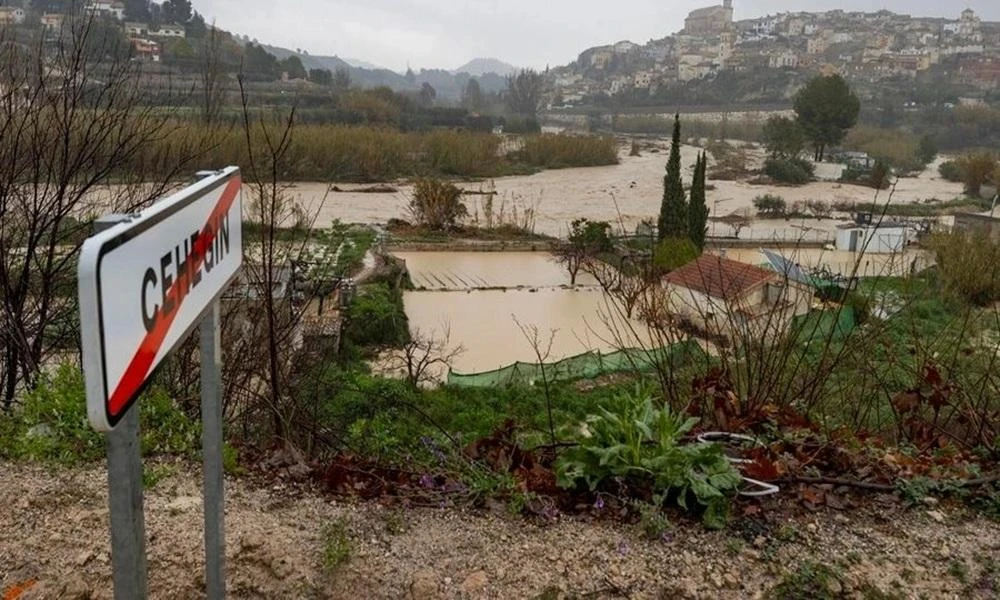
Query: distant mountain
x=364, y=77
x=481, y=66
x=362, y=64
x=447, y=84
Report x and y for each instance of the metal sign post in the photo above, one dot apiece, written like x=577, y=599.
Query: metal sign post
x=211, y=449
x=164, y=270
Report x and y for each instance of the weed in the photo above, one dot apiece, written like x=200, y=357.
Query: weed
x=787, y=533
x=959, y=570
x=231, y=460
x=337, y=546
x=734, y=546
x=152, y=475
x=811, y=581
x=395, y=522
x=653, y=522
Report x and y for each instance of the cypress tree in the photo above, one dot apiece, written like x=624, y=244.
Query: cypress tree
x=697, y=208
x=673, y=209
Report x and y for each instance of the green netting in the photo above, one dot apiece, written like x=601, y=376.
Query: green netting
x=582, y=366
x=819, y=325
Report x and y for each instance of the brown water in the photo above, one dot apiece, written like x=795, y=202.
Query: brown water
x=622, y=194
x=485, y=322
x=457, y=301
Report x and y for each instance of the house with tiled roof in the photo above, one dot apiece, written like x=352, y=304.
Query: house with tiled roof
x=734, y=300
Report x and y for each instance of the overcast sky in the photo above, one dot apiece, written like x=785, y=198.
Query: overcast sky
x=528, y=33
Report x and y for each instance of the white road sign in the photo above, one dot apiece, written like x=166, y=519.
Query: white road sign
x=145, y=282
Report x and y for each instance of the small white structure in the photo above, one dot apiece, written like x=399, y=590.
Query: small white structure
x=877, y=238
x=173, y=31
x=11, y=15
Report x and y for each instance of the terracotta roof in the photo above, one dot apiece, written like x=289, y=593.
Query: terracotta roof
x=719, y=277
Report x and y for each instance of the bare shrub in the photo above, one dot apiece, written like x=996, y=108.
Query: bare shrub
x=437, y=204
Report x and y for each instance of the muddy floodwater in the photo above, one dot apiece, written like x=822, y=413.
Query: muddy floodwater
x=477, y=299
x=535, y=292
x=622, y=194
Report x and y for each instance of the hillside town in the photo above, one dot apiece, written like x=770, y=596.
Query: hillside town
x=866, y=47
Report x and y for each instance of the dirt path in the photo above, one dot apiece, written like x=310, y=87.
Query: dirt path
x=53, y=528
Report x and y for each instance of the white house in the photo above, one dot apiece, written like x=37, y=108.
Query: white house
x=11, y=15
x=174, y=31
x=785, y=60
x=137, y=30
x=877, y=238
x=734, y=300
x=106, y=7
x=52, y=22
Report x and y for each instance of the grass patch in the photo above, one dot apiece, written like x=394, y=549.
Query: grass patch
x=337, y=546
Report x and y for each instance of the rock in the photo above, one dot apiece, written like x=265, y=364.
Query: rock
x=936, y=515
x=447, y=580
x=76, y=588
x=474, y=582
x=424, y=585
x=249, y=543
x=716, y=580
x=834, y=587
x=84, y=557
x=682, y=589
x=929, y=501
x=759, y=541
x=731, y=581
x=183, y=504
x=812, y=528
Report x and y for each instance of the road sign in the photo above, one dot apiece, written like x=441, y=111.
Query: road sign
x=144, y=283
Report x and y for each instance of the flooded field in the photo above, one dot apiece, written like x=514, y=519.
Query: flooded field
x=459, y=294
x=483, y=270
x=484, y=321
x=623, y=194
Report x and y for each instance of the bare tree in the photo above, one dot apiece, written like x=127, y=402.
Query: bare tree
x=543, y=350
x=73, y=121
x=213, y=77
x=418, y=357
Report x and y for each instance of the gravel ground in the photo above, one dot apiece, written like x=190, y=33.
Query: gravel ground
x=53, y=529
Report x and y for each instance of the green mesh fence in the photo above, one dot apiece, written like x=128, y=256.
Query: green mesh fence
x=819, y=325
x=582, y=366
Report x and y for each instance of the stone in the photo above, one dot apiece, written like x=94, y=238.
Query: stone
x=424, y=585
x=731, y=581
x=474, y=582
x=76, y=588
x=183, y=504
x=936, y=515
x=83, y=558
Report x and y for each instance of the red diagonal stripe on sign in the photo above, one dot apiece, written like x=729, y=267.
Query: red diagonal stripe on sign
x=140, y=364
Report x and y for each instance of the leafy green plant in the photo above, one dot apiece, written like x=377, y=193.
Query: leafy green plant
x=794, y=171
x=51, y=423
x=632, y=440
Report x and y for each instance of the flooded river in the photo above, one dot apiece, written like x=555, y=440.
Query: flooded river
x=623, y=195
